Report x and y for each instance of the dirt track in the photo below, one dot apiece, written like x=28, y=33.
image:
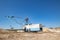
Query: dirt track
x=29, y=36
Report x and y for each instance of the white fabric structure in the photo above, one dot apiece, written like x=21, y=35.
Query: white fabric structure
x=32, y=27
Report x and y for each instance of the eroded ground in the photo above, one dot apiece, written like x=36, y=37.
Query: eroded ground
x=29, y=36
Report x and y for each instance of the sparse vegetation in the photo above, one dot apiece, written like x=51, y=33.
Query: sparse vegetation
x=29, y=36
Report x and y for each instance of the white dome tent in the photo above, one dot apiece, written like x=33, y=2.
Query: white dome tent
x=32, y=27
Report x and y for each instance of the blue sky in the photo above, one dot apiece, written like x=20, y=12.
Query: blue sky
x=46, y=12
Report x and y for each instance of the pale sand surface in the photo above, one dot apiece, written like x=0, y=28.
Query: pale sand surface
x=29, y=36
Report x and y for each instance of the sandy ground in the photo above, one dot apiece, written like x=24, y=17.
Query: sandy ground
x=29, y=36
